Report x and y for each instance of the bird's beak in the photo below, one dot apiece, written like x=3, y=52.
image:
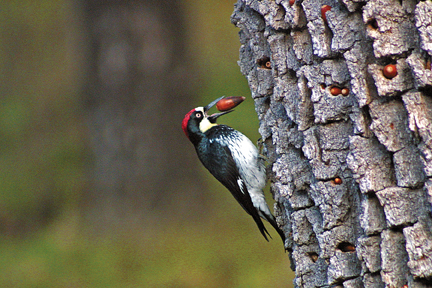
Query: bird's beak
x=206, y=108
x=212, y=118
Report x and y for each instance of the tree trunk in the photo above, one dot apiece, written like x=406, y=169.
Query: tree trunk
x=350, y=149
x=137, y=95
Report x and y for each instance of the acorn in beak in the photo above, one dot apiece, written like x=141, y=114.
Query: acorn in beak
x=224, y=104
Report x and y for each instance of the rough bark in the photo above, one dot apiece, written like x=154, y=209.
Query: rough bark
x=350, y=172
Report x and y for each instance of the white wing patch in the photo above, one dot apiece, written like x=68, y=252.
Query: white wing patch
x=250, y=166
x=240, y=184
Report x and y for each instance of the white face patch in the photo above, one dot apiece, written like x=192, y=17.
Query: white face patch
x=205, y=124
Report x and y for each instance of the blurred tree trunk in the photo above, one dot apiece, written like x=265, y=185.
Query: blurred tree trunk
x=350, y=169
x=138, y=92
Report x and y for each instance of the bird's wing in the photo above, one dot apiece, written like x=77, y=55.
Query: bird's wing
x=222, y=166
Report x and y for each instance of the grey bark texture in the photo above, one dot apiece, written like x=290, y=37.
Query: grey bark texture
x=350, y=173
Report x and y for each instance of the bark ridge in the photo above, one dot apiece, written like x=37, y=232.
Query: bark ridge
x=350, y=148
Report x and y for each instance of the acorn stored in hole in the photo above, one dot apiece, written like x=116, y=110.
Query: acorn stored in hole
x=338, y=181
x=345, y=91
x=324, y=9
x=390, y=71
x=291, y=2
x=264, y=62
x=268, y=64
x=335, y=91
x=229, y=103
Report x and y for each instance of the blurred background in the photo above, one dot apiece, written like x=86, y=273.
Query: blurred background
x=99, y=187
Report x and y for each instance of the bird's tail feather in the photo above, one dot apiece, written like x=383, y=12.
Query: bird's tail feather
x=261, y=227
x=271, y=219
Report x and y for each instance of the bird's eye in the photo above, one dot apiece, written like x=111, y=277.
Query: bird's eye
x=198, y=115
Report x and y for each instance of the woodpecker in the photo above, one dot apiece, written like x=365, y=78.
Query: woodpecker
x=233, y=160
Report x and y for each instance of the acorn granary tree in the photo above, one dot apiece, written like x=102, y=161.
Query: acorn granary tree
x=343, y=91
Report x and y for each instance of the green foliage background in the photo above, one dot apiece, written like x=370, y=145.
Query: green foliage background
x=44, y=154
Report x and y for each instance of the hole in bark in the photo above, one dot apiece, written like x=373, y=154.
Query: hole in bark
x=302, y=155
x=421, y=281
x=427, y=90
x=309, y=93
x=366, y=113
x=373, y=23
x=264, y=62
x=292, y=74
x=346, y=247
x=398, y=228
x=313, y=256
x=428, y=64
x=267, y=102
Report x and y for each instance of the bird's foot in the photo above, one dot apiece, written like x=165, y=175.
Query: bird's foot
x=260, y=144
